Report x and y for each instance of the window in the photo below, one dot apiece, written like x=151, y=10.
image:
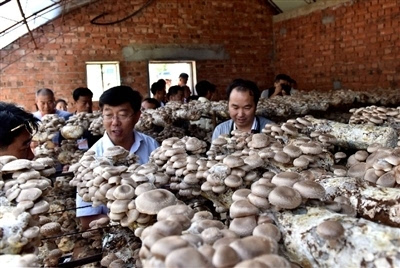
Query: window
x=170, y=71
x=102, y=76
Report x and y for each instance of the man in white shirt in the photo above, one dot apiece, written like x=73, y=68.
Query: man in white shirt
x=243, y=96
x=121, y=111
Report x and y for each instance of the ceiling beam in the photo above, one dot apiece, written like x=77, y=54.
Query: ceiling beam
x=26, y=23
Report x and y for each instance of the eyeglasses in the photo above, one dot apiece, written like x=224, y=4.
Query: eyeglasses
x=119, y=117
x=29, y=126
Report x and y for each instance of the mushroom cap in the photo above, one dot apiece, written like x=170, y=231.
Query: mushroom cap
x=267, y=230
x=15, y=165
x=262, y=189
x=115, y=151
x=254, y=161
x=284, y=197
x=242, y=208
x=186, y=257
x=253, y=246
x=301, y=162
x=310, y=189
x=40, y=207
x=330, y=230
x=361, y=155
x=4, y=159
x=164, y=246
x=260, y=140
x=119, y=206
x=281, y=157
x=274, y=260
x=167, y=228
x=50, y=229
x=387, y=180
x=178, y=209
x=233, y=161
x=151, y=202
x=241, y=194
x=30, y=194
x=311, y=148
x=243, y=226
x=357, y=170
x=225, y=256
x=287, y=178
x=124, y=191
x=233, y=181
x=292, y=150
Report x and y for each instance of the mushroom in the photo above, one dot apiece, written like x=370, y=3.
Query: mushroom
x=284, y=197
x=331, y=231
x=151, y=202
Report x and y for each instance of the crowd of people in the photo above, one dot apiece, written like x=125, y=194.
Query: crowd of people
x=121, y=108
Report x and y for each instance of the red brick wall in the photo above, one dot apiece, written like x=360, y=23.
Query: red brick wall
x=357, y=44
x=244, y=28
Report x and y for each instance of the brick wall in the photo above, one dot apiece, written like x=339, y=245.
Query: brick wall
x=356, y=45
x=243, y=28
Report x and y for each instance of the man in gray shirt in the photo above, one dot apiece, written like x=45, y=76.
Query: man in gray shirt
x=243, y=96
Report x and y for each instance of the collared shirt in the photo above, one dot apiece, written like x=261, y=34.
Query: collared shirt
x=253, y=127
x=142, y=147
x=225, y=127
x=63, y=114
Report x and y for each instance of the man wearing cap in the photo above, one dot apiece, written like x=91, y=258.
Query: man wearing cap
x=243, y=96
x=16, y=131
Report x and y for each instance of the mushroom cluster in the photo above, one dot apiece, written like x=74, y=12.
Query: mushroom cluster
x=48, y=136
x=377, y=116
x=186, y=237
x=25, y=188
x=377, y=165
x=96, y=126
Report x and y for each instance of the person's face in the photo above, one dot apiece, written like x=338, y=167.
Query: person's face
x=182, y=81
x=147, y=105
x=84, y=104
x=20, y=148
x=278, y=86
x=119, y=122
x=242, y=109
x=61, y=106
x=177, y=97
x=45, y=104
x=160, y=95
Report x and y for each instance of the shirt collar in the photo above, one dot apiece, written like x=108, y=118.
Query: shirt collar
x=135, y=146
x=253, y=127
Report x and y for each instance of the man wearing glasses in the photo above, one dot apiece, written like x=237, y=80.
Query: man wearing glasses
x=46, y=104
x=121, y=111
x=16, y=131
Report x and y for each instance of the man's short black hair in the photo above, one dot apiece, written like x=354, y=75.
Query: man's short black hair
x=152, y=101
x=203, y=87
x=119, y=95
x=14, y=120
x=284, y=77
x=244, y=85
x=184, y=76
x=162, y=82
x=157, y=86
x=174, y=90
x=82, y=91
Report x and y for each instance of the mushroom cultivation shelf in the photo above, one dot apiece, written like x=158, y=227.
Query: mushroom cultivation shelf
x=250, y=199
